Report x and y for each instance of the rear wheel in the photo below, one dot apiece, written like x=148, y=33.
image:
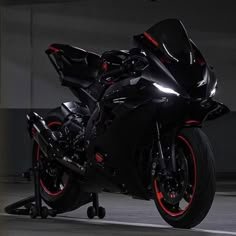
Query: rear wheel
x=185, y=200
x=58, y=189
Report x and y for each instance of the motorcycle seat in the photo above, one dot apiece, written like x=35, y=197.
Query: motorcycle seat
x=80, y=68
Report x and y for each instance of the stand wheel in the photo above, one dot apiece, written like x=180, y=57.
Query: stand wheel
x=33, y=212
x=101, y=212
x=91, y=212
x=44, y=212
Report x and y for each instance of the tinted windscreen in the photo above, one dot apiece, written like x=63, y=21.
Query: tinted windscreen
x=171, y=38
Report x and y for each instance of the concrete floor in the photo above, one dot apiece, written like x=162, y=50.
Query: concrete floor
x=125, y=216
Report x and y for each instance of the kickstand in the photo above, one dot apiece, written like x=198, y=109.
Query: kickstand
x=32, y=205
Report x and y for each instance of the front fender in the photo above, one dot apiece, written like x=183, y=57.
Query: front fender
x=208, y=110
x=217, y=110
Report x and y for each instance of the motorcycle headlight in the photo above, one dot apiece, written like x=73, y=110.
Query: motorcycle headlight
x=165, y=89
x=213, y=92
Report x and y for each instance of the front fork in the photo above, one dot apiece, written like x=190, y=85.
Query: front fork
x=160, y=150
x=173, y=159
x=172, y=151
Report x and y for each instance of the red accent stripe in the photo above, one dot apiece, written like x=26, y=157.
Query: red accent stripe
x=150, y=38
x=201, y=61
x=99, y=158
x=37, y=158
x=104, y=66
x=109, y=82
x=165, y=60
x=159, y=194
x=54, y=123
x=54, y=49
x=192, y=121
x=33, y=131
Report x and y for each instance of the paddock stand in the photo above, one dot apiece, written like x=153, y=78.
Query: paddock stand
x=32, y=206
x=95, y=209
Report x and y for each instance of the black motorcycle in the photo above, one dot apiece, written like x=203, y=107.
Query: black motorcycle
x=135, y=129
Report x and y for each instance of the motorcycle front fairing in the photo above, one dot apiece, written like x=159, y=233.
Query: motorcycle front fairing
x=178, y=69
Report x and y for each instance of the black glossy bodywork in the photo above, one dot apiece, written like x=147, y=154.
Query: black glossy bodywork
x=175, y=90
x=76, y=67
x=178, y=62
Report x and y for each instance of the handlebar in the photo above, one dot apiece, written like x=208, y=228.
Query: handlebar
x=134, y=64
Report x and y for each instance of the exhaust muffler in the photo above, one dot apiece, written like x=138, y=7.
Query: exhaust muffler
x=48, y=142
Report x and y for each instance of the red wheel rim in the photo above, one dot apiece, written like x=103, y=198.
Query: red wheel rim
x=159, y=195
x=43, y=186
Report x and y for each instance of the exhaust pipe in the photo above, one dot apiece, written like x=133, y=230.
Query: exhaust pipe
x=48, y=143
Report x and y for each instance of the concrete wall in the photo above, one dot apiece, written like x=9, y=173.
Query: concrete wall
x=0, y=48
x=16, y=58
x=29, y=81
x=99, y=26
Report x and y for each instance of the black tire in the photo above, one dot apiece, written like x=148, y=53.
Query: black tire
x=70, y=198
x=44, y=212
x=91, y=212
x=33, y=212
x=101, y=212
x=204, y=179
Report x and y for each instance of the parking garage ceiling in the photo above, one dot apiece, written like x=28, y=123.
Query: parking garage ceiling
x=26, y=2
x=23, y=2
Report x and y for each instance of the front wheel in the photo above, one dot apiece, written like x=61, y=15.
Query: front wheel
x=184, y=201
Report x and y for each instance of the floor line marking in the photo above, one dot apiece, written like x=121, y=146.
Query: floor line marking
x=226, y=193
x=95, y=221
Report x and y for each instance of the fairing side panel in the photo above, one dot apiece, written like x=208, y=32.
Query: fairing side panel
x=157, y=72
x=120, y=141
